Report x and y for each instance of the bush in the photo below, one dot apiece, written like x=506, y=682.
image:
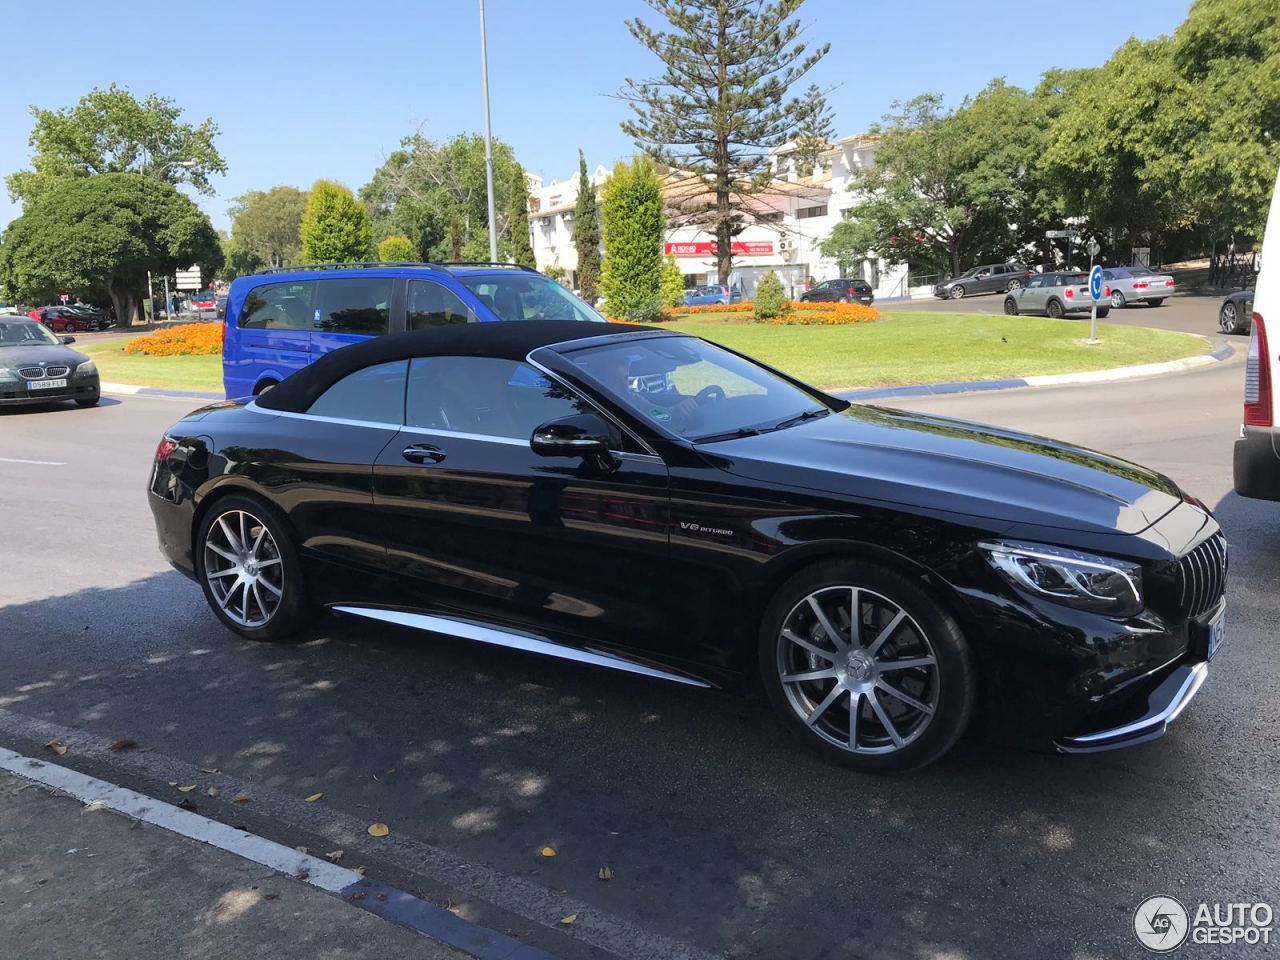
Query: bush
x=672, y=283
x=397, y=249
x=650, y=311
x=634, y=224
x=186, y=340
x=771, y=298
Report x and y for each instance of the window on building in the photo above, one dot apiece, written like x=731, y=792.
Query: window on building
x=806, y=213
x=773, y=217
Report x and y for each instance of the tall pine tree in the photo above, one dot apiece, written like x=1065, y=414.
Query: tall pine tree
x=586, y=234
x=815, y=127
x=720, y=104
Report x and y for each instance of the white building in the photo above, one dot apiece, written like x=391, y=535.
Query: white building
x=788, y=223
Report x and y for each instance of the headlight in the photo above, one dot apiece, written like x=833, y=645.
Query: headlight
x=86, y=369
x=1081, y=580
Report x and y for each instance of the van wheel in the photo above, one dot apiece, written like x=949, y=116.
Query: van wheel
x=1054, y=310
x=263, y=387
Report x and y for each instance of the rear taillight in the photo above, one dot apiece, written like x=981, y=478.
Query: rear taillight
x=1257, y=379
x=1169, y=283
x=165, y=447
x=1139, y=286
x=1069, y=294
x=1106, y=291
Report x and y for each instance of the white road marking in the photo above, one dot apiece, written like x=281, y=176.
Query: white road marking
x=137, y=806
x=35, y=463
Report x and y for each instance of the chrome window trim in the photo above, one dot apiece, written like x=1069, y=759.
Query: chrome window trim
x=252, y=405
x=463, y=435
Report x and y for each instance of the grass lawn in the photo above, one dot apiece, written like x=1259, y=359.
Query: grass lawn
x=176, y=373
x=918, y=347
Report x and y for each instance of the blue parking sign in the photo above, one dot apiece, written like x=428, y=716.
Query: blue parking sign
x=1095, y=283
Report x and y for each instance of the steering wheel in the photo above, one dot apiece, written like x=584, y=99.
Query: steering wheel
x=712, y=392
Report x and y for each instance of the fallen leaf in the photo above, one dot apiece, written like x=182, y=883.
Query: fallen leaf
x=210, y=770
x=360, y=870
x=185, y=804
x=379, y=830
x=548, y=851
x=569, y=920
x=357, y=896
x=213, y=791
x=382, y=897
x=270, y=896
x=123, y=745
x=333, y=856
x=187, y=789
x=606, y=873
x=240, y=798
x=57, y=746
x=314, y=797
x=173, y=783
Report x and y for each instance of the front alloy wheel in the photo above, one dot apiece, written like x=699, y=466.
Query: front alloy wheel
x=1117, y=299
x=957, y=292
x=1227, y=318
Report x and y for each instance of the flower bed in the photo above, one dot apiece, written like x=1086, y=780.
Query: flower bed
x=187, y=340
x=800, y=312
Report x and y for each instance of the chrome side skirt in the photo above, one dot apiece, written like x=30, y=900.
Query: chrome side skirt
x=514, y=639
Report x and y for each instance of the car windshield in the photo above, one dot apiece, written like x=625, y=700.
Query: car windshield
x=24, y=333
x=696, y=390
x=520, y=295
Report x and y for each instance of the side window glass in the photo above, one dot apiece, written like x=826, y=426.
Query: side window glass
x=433, y=305
x=355, y=305
x=485, y=396
x=284, y=306
x=375, y=394
x=1035, y=282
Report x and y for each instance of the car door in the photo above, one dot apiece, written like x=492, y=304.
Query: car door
x=985, y=281
x=273, y=332
x=479, y=525
x=1033, y=296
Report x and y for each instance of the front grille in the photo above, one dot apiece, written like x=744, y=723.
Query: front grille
x=31, y=373
x=1202, y=576
x=56, y=371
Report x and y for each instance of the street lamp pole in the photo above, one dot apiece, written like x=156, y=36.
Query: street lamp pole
x=488, y=141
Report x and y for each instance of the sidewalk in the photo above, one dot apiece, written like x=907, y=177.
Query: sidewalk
x=78, y=883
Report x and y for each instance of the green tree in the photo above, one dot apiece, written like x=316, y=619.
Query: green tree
x=814, y=129
x=335, y=227
x=397, y=249
x=111, y=131
x=633, y=228
x=268, y=223
x=719, y=105
x=672, y=283
x=586, y=234
x=771, y=298
x=101, y=235
x=236, y=260
x=521, y=242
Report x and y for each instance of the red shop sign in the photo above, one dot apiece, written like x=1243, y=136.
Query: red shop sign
x=741, y=248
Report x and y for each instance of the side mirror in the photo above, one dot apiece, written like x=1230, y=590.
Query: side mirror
x=67, y=339
x=583, y=435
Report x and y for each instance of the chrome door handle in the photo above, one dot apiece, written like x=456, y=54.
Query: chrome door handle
x=422, y=453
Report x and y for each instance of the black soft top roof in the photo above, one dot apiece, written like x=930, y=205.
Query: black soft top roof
x=506, y=340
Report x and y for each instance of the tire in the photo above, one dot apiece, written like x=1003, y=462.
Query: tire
x=1013, y=285
x=817, y=710
x=69, y=327
x=1117, y=299
x=1229, y=318
x=251, y=612
x=263, y=386
x=1156, y=302
x=90, y=402
x=957, y=292
x=1054, y=309
x=1102, y=312
x=1010, y=306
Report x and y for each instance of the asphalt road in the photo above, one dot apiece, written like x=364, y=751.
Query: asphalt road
x=719, y=834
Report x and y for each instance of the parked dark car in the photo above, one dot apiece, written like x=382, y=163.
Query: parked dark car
x=71, y=319
x=657, y=504
x=38, y=367
x=1055, y=295
x=1236, y=313
x=843, y=290
x=991, y=278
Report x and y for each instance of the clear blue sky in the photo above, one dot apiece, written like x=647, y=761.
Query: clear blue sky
x=327, y=89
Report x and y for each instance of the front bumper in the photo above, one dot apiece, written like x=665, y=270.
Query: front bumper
x=1164, y=703
x=17, y=394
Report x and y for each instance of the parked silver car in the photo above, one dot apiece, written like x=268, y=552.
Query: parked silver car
x=1054, y=295
x=1137, y=285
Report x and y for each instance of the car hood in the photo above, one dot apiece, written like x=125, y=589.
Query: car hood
x=946, y=466
x=40, y=354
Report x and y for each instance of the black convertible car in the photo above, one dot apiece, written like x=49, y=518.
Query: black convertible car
x=654, y=503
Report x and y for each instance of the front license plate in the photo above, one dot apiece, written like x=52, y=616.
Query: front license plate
x=1217, y=631
x=46, y=384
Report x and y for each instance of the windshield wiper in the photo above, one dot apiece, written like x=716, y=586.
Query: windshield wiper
x=728, y=435
x=800, y=418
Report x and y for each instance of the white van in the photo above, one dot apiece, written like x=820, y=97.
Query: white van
x=1257, y=455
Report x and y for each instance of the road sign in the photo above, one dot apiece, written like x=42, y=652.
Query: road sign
x=64, y=298
x=1094, y=248
x=1060, y=234
x=189, y=279
x=1095, y=284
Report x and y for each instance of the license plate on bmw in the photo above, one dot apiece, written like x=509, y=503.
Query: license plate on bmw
x=46, y=384
x=1217, y=630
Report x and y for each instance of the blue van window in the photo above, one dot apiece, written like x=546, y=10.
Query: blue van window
x=355, y=305
x=278, y=305
x=375, y=394
x=431, y=305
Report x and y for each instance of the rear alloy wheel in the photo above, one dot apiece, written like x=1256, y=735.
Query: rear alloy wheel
x=1011, y=306
x=1229, y=318
x=250, y=570
x=1054, y=309
x=865, y=667
x=1117, y=299
x=1014, y=285
x=957, y=292
x=69, y=327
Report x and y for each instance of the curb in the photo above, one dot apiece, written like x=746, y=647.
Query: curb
x=1045, y=380
x=133, y=390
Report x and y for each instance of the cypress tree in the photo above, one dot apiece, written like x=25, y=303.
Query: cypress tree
x=586, y=235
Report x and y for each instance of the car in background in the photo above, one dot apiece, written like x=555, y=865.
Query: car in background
x=1054, y=295
x=206, y=301
x=1236, y=313
x=991, y=278
x=220, y=310
x=706, y=295
x=38, y=367
x=1256, y=460
x=1137, y=285
x=281, y=320
x=65, y=319
x=842, y=290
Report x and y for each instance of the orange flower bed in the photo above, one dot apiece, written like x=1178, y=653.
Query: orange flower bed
x=827, y=314
x=740, y=307
x=187, y=340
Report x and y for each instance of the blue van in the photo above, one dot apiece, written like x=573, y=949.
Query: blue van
x=280, y=320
